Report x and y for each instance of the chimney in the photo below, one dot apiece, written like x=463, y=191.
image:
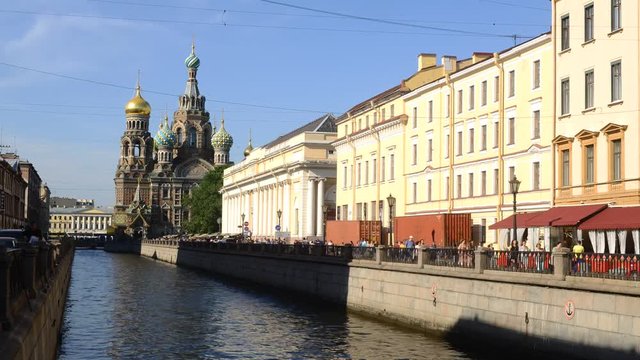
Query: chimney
x=426, y=61
x=450, y=64
x=480, y=56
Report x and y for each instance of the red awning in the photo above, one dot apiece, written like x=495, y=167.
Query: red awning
x=614, y=219
x=521, y=221
x=565, y=215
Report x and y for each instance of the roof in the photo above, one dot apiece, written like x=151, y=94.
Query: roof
x=565, y=215
x=79, y=211
x=614, y=219
x=325, y=123
x=521, y=221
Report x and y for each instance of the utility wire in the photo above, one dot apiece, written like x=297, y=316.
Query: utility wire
x=502, y=3
x=391, y=22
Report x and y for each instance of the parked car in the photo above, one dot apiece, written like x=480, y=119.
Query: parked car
x=17, y=234
x=8, y=242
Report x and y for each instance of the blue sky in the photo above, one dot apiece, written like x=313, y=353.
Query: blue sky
x=291, y=64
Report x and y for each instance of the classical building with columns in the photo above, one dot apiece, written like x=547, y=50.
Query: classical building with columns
x=284, y=184
x=80, y=222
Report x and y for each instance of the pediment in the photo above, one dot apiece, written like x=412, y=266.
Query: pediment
x=612, y=128
x=560, y=139
x=195, y=169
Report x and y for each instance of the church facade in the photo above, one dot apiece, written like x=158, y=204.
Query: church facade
x=155, y=173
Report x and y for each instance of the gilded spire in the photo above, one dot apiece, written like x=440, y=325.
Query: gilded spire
x=137, y=104
x=249, y=147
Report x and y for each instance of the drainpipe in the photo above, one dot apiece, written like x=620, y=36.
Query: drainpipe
x=498, y=63
x=554, y=107
x=450, y=143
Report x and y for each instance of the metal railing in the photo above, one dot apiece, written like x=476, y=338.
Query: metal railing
x=402, y=255
x=520, y=261
x=610, y=266
x=451, y=257
x=364, y=253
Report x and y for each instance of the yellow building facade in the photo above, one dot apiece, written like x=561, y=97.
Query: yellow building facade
x=597, y=93
x=284, y=184
x=449, y=138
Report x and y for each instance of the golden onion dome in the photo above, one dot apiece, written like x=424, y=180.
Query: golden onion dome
x=137, y=105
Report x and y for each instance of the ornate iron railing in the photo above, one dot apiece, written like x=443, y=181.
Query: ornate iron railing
x=451, y=257
x=520, y=261
x=611, y=266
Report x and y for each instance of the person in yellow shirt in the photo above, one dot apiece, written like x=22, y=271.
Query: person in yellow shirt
x=578, y=250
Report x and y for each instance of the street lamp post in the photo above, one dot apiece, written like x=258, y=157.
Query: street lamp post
x=279, y=213
x=392, y=202
x=515, y=185
x=242, y=227
x=325, y=208
x=219, y=221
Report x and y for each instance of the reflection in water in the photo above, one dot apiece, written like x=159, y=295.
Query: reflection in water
x=127, y=307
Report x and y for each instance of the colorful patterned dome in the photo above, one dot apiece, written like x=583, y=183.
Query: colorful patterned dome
x=192, y=61
x=165, y=136
x=137, y=105
x=222, y=139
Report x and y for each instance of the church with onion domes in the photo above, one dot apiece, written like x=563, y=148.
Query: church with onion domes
x=155, y=173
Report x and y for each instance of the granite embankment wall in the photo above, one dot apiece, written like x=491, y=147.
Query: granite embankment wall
x=33, y=318
x=592, y=318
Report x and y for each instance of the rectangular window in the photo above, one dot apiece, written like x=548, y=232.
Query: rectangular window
x=446, y=188
x=536, y=124
x=616, y=15
x=470, y=184
x=588, y=23
x=472, y=137
x=366, y=172
x=429, y=190
x=459, y=152
x=391, y=110
x=512, y=83
x=512, y=131
x=616, y=160
x=589, y=89
x=483, y=134
x=496, y=134
x=344, y=178
x=496, y=89
x=367, y=120
x=383, y=168
x=589, y=167
x=375, y=117
x=536, y=74
x=447, y=106
x=566, y=168
x=459, y=101
x=430, y=114
x=536, y=176
x=392, y=167
x=415, y=193
x=483, y=184
x=616, y=81
x=373, y=210
x=564, y=97
x=415, y=117
x=472, y=92
x=359, y=174
x=564, y=41
x=374, y=169
x=512, y=173
x=430, y=150
x=414, y=154
x=483, y=96
x=346, y=129
x=459, y=186
x=360, y=124
x=446, y=147
x=383, y=115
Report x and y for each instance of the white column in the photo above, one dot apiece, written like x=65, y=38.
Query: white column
x=309, y=207
x=270, y=210
x=319, y=214
x=286, y=217
x=261, y=211
x=254, y=214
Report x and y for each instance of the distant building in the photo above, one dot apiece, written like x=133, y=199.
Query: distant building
x=65, y=202
x=36, y=198
x=12, y=191
x=79, y=221
x=154, y=174
x=285, y=182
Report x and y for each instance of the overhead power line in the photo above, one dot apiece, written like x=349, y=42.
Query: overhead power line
x=117, y=86
x=392, y=22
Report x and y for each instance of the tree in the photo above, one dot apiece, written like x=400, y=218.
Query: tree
x=205, y=203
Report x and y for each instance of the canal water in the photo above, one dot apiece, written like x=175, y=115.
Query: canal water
x=129, y=307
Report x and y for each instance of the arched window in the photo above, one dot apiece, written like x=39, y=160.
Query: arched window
x=165, y=191
x=125, y=149
x=192, y=137
x=136, y=150
x=179, y=136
